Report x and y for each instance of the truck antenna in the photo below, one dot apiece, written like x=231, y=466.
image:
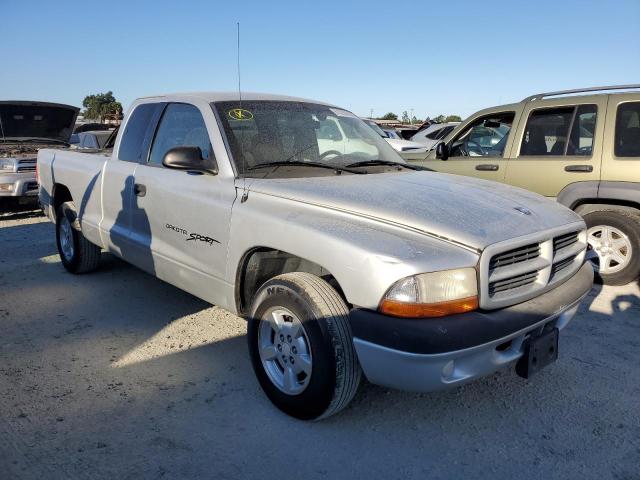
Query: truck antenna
x=238, y=56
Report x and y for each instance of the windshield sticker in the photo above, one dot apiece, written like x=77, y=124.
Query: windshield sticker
x=240, y=114
x=342, y=113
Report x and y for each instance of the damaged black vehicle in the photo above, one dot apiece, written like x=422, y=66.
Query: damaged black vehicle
x=26, y=127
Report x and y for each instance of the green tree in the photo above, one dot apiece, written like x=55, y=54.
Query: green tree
x=405, y=117
x=440, y=119
x=453, y=118
x=101, y=104
x=389, y=116
x=415, y=120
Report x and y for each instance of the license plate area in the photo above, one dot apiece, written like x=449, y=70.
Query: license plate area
x=539, y=351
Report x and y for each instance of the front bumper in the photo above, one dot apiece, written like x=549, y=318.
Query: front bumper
x=433, y=353
x=18, y=185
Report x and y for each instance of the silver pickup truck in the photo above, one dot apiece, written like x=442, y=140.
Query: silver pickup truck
x=25, y=127
x=344, y=259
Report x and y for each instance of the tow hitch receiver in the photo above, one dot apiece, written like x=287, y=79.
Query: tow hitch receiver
x=539, y=351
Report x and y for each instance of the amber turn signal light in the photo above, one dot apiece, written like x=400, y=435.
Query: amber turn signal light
x=421, y=310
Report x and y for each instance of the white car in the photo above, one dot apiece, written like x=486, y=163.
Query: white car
x=433, y=133
x=398, y=144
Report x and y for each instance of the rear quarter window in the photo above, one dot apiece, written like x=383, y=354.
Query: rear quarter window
x=137, y=134
x=627, y=134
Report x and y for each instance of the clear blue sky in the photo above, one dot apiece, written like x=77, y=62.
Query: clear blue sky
x=435, y=57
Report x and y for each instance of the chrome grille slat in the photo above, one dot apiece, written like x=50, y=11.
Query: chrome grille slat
x=28, y=165
x=513, y=282
x=561, y=265
x=564, y=241
x=516, y=255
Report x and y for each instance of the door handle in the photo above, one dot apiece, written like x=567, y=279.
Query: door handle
x=140, y=190
x=579, y=168
x=487, y=167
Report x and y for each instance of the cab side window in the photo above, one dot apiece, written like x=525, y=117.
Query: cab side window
x=134, y=145
x=485, y=137
x=627, y=136
x=181, y=125
x=560, y=131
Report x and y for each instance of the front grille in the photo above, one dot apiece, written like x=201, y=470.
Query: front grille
x=512, y=282
x=564, y=241
x=561, y=265
x=27, y=165
x=517, y=255
x=513, y=272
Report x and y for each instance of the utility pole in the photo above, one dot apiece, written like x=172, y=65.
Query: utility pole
x=411, y=117
x=371, y=116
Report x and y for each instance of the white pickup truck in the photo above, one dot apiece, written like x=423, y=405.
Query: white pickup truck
x=344, y=261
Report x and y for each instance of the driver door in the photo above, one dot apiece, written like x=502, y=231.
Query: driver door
x=478, y=150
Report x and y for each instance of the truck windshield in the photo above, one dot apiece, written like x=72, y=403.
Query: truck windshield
x=308, y=136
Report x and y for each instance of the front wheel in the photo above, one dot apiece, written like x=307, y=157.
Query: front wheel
x=78, y=255
x=301, y=346
x=614, y=245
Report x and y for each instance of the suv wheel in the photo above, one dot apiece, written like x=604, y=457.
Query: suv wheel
x=78, y=255
x=301, y=346
x=614, y=245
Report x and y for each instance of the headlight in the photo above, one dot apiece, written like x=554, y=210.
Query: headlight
x=433, y=294
x=7, y=164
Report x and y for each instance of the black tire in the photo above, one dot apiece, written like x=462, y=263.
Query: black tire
x=85, y=256
x=629, y=224
x=335, y=372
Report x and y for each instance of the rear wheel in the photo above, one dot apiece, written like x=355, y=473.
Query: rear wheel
x=614, y=245
x=78, y=255
x=301, y=346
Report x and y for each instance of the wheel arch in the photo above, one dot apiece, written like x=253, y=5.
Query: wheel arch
x=259, y=264
x=60, y=195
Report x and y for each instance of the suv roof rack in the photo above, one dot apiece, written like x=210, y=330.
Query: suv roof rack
x=538, y=96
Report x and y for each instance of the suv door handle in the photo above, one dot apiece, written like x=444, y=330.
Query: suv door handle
x=140, y=190
x=487, y=167
x=579, y=168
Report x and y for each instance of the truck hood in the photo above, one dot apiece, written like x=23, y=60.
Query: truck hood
x=44, y=121
x=463, y=210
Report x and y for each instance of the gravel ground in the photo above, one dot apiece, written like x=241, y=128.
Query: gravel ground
x=115, y=374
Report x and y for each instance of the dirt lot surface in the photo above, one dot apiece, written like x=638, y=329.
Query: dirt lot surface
x=115, y=374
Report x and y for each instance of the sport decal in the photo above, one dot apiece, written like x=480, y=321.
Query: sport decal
x=192, y=235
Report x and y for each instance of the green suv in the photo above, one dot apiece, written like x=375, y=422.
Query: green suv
x=581, y=147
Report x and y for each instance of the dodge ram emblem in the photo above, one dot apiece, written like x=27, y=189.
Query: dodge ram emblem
x=524, y=211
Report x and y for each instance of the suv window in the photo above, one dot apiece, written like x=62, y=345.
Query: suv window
x=583, y=131
x=484, y=137
x=547, y=131
x=136, y=135
x=181, y=124
x=627, y=136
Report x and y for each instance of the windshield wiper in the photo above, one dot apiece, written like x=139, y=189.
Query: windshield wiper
x=375, y=163
x=299, y=163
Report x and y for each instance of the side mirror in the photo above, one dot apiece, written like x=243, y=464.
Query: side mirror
x=188, y=157
x=442, y=151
